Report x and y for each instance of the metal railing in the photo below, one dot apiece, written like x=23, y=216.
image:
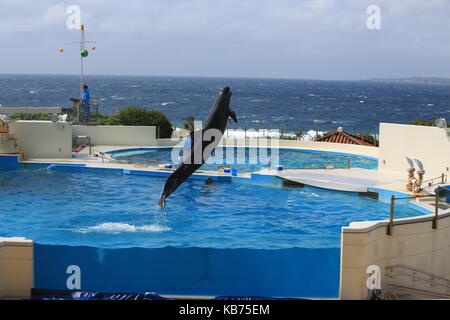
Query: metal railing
x=415, y=292
x=415, y=272
x=431, y=182
x=312, y=165
x=436, y=197
x=325, y=164
x=418, y=277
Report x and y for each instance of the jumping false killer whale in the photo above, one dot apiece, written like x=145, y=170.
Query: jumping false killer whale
x=203, y=143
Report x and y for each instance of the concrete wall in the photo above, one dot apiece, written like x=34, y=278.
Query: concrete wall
x=413, y=243
x=16, y=268
x=118, y=135
x=431, y=145
x=331, y=147
x=294, y=144
x=146, y=137
x=8, y=143
x=43, y=139
x=312, y=145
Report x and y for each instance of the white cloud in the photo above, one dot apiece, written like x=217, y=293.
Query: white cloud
x=256, y=37
x=55, y=14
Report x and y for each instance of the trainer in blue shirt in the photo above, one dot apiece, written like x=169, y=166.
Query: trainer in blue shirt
x=85, y=103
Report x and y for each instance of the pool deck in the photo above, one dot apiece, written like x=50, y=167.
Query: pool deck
x=351, y=180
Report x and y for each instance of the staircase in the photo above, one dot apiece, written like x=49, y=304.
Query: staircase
x=410, y=283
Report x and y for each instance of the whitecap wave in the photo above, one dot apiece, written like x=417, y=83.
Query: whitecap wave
x=114, y=227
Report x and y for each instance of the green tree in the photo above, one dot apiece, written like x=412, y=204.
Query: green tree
x=133, y=116
x=189, y=123
x=299, y=134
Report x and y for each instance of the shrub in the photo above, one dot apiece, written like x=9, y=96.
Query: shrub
x=31, y=116
x=101, y=119
x=189, y=123
x=133, y=116
x=423, y=122
x=367, y=138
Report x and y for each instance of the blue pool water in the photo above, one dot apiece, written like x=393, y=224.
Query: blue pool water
x=251, y=159
x=226, y=238
x=111, y=210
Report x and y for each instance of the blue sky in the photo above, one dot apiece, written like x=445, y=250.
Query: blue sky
x=313, y=39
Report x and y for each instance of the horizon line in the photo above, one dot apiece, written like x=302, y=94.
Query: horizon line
x=223, y=77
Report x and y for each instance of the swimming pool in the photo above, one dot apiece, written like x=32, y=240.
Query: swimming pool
x=225, y=238
x=77, y=206
x=251, y=159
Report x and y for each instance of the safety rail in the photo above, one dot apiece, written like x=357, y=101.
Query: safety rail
x=395, y=289
x=415, y=271
x=397, y=271
x=94, y=108
x=436, y=198
x=442, y=178
x=345, y=164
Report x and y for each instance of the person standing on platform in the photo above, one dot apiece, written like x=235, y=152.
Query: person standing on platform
x=85, y=109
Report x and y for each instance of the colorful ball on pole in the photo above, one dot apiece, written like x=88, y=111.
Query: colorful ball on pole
x=84, y=53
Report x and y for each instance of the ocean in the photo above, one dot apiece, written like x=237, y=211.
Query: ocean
x=357, y=106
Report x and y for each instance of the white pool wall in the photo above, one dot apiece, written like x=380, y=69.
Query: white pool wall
x=16, y=268
x=117, y=135
x=413, y=243
x=431, y=145
x=43, y=139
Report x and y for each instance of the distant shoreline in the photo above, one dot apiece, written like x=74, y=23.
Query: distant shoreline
x=410, y=80
x=414, y=80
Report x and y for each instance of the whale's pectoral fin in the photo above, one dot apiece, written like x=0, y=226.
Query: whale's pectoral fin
x=233, y=115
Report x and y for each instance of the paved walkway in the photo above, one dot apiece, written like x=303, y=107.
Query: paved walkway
x=353, y=180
